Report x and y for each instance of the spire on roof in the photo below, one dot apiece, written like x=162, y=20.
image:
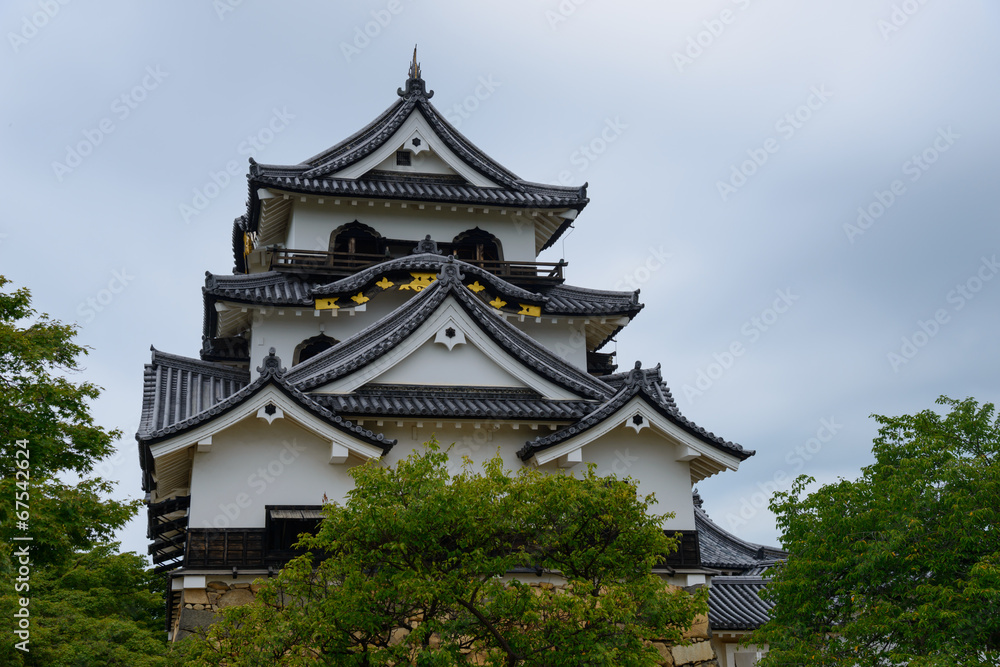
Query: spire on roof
x=414, y=66
x=415, y=84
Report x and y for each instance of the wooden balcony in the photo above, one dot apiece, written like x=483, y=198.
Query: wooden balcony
x=342, y=264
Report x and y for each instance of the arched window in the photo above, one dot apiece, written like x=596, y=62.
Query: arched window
x=310, y=347
x=355, y=238
x=478, y=245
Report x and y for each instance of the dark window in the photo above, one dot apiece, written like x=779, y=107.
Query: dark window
x=355, y=238
x=477, y=245
x=284, y=525
x=310, y=347
x=403, y=158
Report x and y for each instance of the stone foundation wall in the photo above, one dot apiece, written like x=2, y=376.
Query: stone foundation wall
x=198, y=609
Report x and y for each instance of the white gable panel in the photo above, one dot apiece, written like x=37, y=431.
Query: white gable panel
x=450, y=314
x=415, y=127
x=464, y=365
x=702, y=459
x=424, y=162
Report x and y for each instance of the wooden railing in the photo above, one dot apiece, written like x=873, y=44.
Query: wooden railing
x=342, y=264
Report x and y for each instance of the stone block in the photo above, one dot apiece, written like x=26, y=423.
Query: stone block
x=218, y=585
x=666, y=657
x=193, y=622
x=693, y=653
x=235, y=597
x=195, y=596
x=699, y=628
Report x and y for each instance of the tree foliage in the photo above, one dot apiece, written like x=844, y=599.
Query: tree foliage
x=901, y=566
x=417, y=567
x=39, y=404
x=100, y=608
x=76, y=601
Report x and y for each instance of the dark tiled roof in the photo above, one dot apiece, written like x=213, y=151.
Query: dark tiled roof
x=371, y=343
x=584, y=301
x=454, y=402
x=274, y=288
x=723, y=550
x=315, y=174
x=168, y=409
x=648, y=384
x=734, y=603
x=402, y=186
x=176, y=388
x=269, y=289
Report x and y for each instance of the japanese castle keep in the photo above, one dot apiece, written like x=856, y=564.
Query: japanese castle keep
x=384, y=291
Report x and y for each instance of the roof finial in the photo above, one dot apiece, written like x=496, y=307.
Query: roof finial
x=415, y=84
x=414, y=66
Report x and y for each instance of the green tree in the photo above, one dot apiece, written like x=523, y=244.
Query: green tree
x=47, y=412
x=100, y=608
x=77, y=602
x=416, y=568
x=901, y=566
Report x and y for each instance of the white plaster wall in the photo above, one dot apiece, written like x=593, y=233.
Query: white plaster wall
x=567, y=341
x=252, y=464
x=645, y=457
x=312, y=223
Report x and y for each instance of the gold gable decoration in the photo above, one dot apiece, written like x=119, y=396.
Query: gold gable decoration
x=327, y=304
x=533, y=311
x=420, y=281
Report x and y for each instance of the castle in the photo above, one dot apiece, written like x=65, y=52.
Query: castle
x=385, y=291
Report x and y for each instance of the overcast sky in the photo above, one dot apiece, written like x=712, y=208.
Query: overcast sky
x=804, y=192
